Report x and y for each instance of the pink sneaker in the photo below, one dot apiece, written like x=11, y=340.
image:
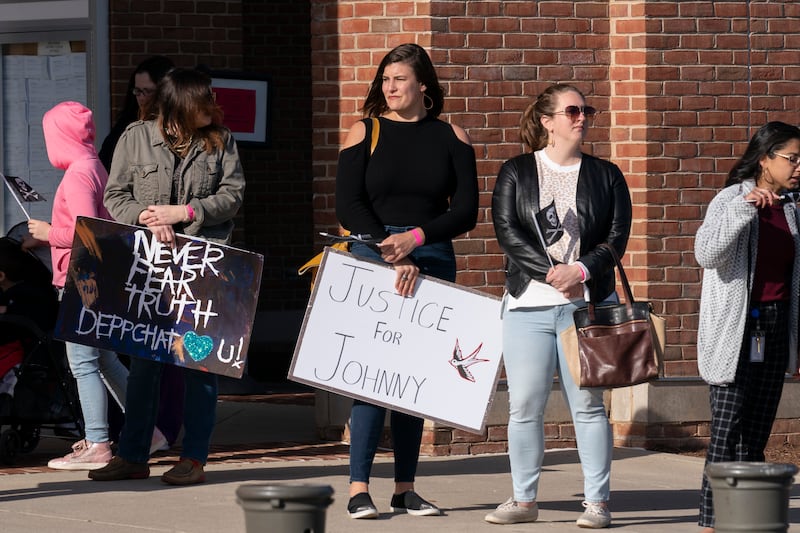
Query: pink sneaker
x=85, y=455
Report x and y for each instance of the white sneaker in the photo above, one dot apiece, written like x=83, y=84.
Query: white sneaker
x=511, y=512
x=596, y=516
x=85, y=455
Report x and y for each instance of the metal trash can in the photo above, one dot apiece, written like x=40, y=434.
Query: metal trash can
x=751, y=497
x=284, y=508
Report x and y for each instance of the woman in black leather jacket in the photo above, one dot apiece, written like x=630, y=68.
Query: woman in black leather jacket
x=571, y=202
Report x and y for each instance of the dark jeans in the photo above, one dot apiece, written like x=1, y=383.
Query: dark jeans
x=170, y=405
x=366, y=420
x=199, y=413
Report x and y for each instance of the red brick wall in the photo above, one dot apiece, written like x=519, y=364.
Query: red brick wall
x=190, y=32
x=670, y=77
x=685, y=110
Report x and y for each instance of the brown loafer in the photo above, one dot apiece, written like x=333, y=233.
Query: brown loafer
x=118, y=468
x=186, y=472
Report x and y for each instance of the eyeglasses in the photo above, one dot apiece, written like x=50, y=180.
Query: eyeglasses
x=142, y=92
x=792, y=159
x=574, y=112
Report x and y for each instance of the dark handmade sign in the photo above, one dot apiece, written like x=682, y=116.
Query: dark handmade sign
x=192, y=305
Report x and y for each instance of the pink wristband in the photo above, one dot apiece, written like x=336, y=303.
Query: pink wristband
x=190, y=212
x=583, y=273
x=417, y=237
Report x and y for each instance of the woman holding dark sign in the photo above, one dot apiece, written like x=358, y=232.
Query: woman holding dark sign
x=177, y=173
x=415, y=192
x=138, y=99
x=749, y=248
x=69, y=137
x=552, y=208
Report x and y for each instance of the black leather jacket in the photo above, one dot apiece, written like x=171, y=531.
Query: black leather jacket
x=604, y=214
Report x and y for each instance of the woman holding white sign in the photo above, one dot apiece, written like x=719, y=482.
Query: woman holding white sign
x=409, y=180
x=177, y=173
x=551, y=209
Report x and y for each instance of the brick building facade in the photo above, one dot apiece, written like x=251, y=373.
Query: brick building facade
x=681, y=85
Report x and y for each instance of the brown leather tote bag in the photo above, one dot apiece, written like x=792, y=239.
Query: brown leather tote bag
x=618, y=344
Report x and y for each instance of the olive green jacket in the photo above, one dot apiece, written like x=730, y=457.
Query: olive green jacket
x=141, y=175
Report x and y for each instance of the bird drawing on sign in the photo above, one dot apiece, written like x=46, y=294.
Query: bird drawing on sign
x=462, y=363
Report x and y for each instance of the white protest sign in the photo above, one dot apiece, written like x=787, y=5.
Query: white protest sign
x=435, y=355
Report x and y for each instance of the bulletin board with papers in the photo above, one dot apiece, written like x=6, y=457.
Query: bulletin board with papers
x=35, y=77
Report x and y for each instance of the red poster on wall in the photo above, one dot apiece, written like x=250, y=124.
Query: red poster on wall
x=239, y=106
x=244, y=101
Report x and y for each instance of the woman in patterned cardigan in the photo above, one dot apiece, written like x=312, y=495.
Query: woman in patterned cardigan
x=749, y=248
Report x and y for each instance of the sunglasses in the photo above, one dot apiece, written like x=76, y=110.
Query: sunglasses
x=574, y=112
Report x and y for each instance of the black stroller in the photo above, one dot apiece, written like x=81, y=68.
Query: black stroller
x=44, y=395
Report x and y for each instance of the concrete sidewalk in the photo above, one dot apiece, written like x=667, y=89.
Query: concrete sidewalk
x=651, y=492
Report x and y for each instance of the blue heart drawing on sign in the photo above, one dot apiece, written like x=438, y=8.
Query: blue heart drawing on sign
x=199, y=346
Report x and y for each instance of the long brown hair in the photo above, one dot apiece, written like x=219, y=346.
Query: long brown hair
x=183, y=94
x=531, y=129
x=417, y=58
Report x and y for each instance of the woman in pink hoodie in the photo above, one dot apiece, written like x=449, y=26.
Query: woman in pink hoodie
x=69, y=134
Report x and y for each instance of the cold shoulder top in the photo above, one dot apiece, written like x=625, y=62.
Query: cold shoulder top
x=420, y=174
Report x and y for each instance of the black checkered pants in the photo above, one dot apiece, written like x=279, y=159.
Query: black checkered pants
x=742, y=412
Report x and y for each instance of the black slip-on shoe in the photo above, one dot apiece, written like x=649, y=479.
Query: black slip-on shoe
x=412, y=503
x=361, y=506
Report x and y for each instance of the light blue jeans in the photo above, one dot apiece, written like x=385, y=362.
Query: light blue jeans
x=532, y=353
x=94, y=370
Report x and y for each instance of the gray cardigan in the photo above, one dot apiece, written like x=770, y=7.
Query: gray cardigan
x=724, y=242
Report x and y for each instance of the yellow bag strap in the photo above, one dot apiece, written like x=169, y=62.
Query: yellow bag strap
x=376, y=130
x=312, y=263
x=315, y=261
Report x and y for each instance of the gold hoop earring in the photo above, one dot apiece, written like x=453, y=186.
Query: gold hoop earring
x=424, y=102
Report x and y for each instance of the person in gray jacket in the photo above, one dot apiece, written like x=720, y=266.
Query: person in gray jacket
x=749, y=248
x=177, y=173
